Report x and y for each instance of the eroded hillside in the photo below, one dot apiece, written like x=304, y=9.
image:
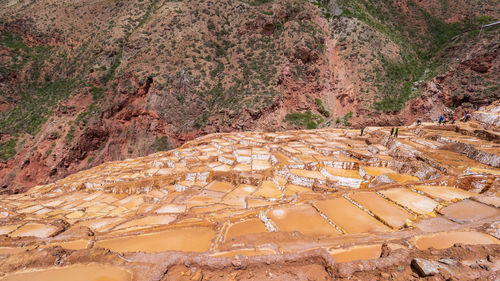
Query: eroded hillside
x=84, y=82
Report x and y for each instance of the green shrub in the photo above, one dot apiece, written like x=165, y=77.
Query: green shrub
x=8, y=149
x=161, y=144
x=307, y=119
x=346, y=119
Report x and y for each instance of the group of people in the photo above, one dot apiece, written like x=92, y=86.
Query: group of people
x=451, y=117
x=394, y=132
x=443, y=119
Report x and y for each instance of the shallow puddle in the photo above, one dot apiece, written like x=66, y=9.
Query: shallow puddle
x=6, y=229
x=244, y=252
x=186, y=239
x=268, y=189
x=13, y=250
x=484, y=171
x=70, y=245
x=302, y=218
x=348, y=216
x=392, y=214
x=238, y=195
x=415, y=202
x=171, y=208
x=436, y=224
x=87, y=272
x=376, y=171
x=260, y=165
x=343, y=177
x=445, y=193
x=364, y=252
x=208, y=209
x=148, y=221
x=244, y=227
x=100, y=224
x=256, y=202
x=34, y=229
x=469, y=211
x=400, y=178
x=292, y=189
x=489, y=200
x=220, y=186
x=445, y=240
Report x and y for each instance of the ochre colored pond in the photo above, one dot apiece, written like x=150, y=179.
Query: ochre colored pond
x=468, y=210
x=445, y=193
x=6, y=229
x=302, y=218
x=148, y=221
x=186, y=239
x=349, y=217
x=445, y=240
x=71, y=245
x=35, y=229
x=416, y=202
x=87, y=272
x=365, y=252
x=244, y=252
x=390, y=213
x=245, y=227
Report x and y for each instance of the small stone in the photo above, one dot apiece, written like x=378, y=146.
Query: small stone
x=482, y=264
x=238, y=263
x=446, y=274
x=450, y=261
x=424, y=267
x=401, y=268
x=385, y=251
x=197, y=276
x=385, y=275
x=474, y=266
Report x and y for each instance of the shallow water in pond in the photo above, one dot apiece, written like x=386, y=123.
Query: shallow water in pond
x=445, y=192
x=415, y=202
x=245, y=227
x=392, y=214
x=348, y=216
x=70, y=245
x=490, y=200
x=356, y=253
x=6, y=229
x=186, y=239
x=302, y=218
x=34, y=229
x=148, y=221
x=469, y=210
x=87, y=272
x=445, y=240
x=244, y=252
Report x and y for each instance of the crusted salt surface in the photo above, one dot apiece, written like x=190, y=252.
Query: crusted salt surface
x=233, y=183
x=269, y=225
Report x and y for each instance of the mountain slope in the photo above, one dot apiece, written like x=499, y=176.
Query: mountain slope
x=92, y=81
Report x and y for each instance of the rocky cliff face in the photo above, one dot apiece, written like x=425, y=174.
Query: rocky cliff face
x=92, y=81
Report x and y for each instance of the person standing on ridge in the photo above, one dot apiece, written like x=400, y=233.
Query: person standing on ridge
x=467, y=116
x=362, y=129
x=419, y=121
x=396, y=132
x=441, y=119
x=392, y=131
